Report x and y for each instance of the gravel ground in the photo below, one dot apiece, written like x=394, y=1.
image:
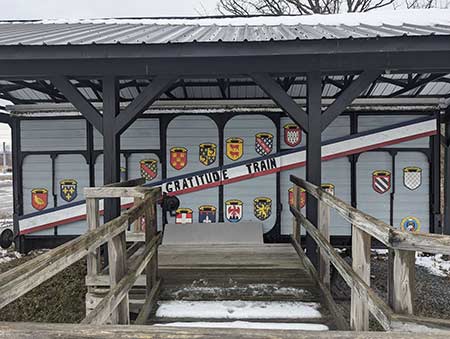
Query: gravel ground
x=432, y=292
x=58, y=300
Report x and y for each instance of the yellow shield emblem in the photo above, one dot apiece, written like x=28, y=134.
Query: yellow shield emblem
x=235, y=148
x=262, y=208
x=207, y=153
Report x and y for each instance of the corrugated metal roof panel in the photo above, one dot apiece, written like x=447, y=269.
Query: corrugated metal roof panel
x=160, y=31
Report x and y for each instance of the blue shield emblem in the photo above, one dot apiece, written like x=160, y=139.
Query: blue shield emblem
x=206, y=214
x=68, y=189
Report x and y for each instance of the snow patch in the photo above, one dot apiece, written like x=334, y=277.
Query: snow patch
x=238, y=309
x=252, y=325
x=376, y=18
x=435, y=264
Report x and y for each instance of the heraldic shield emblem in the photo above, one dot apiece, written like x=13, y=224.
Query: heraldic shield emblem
x=183, y=216
x=263, y=143
x=329, y=188
x=292, y=135
x=68, y=189
x=410, y=224
x=234, y=210
x=412, y=177
x=206, y=214
x=178, y=157
x=207, y=153
x=381, y=181
x=39, y=198
x=302, y=197
x=262, y=208
x=235, y=148
x=149, y=169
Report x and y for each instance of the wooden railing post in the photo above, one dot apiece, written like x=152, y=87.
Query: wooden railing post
x=137, y=225
x=324, y=262
x=402, y=282
x=93, y=222
x=151, y=270
x=117, y=255
x=359, y=310
x=296, y=227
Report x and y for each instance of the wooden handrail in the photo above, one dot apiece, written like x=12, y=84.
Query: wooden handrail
x=361, y=291
x=22, y=279
x=103, y=310
x=380, y=310
x=386, y=234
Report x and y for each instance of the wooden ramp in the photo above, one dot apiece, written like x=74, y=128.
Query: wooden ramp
x=228, y=283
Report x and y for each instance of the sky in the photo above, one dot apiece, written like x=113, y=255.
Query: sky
x=70, y=9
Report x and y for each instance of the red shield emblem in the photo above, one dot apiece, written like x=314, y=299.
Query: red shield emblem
x=183, y=216
x=381, y=181
x=292, y=135
x=178, y=157
x=149, y=169
x=39, y=198
x=302, y=197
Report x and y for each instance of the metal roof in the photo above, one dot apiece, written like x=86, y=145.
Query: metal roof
x=254, y=29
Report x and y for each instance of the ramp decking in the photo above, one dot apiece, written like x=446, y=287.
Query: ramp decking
x=216, y=275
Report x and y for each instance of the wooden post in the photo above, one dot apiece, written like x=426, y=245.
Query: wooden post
x=117, y=256
x=93, y=221
x=402, y=282
x=296, y=227
x=137, y=225
x=150, y=232
x=359, y=310
x=324, y=262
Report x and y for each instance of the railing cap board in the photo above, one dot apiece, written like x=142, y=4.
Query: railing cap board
x=389, y=236
x=121, y=192
x=128, y=183
x=76, y=331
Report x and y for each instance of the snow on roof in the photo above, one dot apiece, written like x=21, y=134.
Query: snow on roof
x=374, y=18
x=229, y=29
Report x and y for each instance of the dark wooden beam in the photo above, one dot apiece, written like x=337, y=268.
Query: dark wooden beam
x=149, y=95
x=348, y=95
x=276, y=92
x=79, y=101
x=313, y=155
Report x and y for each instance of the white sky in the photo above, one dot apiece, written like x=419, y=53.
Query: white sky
x=70, y=9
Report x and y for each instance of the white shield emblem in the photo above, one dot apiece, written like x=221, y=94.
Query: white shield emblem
x=412, y=177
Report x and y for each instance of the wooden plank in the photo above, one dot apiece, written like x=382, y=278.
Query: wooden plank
x=377, y=306
x=149, y=304
x=402, y=286
x=386, y=234
x=135, y=237
x=117, y=293
x=339, y=319
x=117, y=270
x=359, y=311
x=324, y=262
x=121, y=192
x=151, y=270
x=128, y=183
x=137, y=225
x=296, y=229
x=76, y=331
x=93, y=222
